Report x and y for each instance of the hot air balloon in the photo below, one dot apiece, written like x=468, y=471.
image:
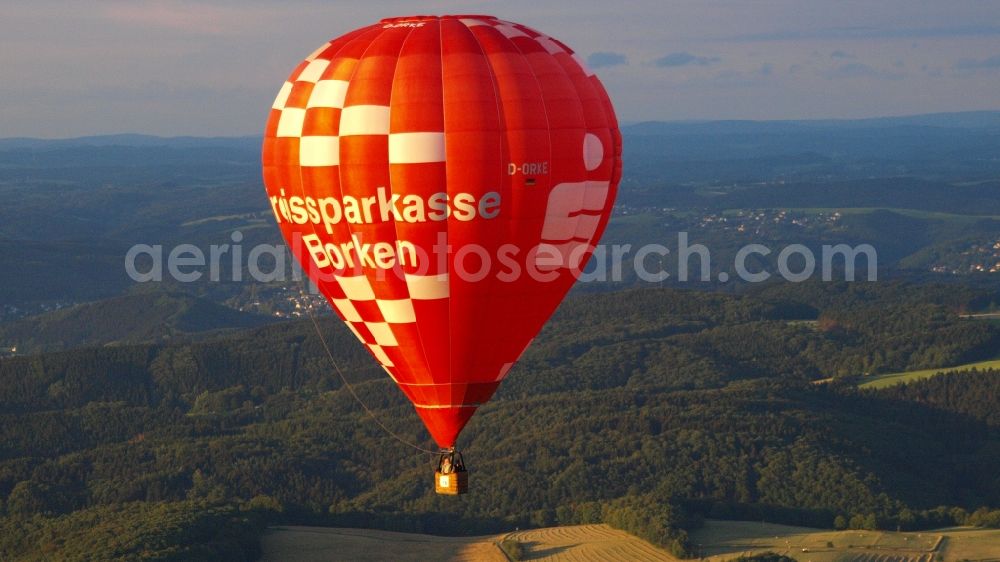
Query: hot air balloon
x=443, y=180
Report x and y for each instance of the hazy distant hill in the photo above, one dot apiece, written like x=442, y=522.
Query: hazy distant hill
x=60, y=271
x=953, y=146
x=132, y=140
x=959, y=120
x=947, y=120
x=963, y=120
x=141, y=318
x=74, y=206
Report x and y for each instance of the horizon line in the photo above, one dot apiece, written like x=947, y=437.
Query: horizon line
x=622, y=124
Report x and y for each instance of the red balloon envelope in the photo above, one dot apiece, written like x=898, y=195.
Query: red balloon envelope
x=443, y=180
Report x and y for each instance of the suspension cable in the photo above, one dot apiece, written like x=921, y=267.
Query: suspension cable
x=357, y=398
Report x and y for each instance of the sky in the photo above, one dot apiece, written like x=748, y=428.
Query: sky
x=212, y=67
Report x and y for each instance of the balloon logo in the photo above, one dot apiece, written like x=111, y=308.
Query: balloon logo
x=443, y=181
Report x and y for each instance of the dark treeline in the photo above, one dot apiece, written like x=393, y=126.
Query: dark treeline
x=648, y=410
x=973, y=393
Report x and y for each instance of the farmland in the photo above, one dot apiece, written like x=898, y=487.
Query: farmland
x=883, y=381
x=315, y=544
x=580, y=542
x=717, y=540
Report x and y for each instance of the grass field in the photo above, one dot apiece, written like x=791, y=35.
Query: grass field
x=718, y=541
x=321, y=544
x=970, y=544
x=586, y=543
x=882, y=381
x=984, y=316
x=222, y=218
x=725, y=540
x=582, y=543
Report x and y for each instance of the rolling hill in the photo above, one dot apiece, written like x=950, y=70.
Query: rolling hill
x=161, y=425
x=145, y=317
x=646, y=410
x=717, y=541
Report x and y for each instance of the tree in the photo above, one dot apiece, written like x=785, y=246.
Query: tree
x=906, y=519
x=26, y=498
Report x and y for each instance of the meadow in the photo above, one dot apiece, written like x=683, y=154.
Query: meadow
x=892, y=379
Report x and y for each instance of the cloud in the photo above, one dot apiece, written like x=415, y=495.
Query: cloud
x=684, y=59
x=861, y=70
x=871, y=32
x=838, y=54
x=606, y=59
x=973, y=64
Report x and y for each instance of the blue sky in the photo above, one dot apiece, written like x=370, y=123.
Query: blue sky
x=212, y=67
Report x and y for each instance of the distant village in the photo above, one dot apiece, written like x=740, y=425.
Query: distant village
x=9, y=312
x=981, y=257
x=284, y=301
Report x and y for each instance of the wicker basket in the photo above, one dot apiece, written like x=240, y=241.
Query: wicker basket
x=451, y=484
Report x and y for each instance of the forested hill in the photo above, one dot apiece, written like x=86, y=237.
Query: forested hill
x=646, y=409
x=138, y=318
x=922, y=190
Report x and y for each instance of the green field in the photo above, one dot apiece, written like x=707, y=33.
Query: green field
x=883, y=381
x=221, y=218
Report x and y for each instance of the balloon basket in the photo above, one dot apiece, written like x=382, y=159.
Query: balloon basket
x=452, y=484
x=451, y=478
